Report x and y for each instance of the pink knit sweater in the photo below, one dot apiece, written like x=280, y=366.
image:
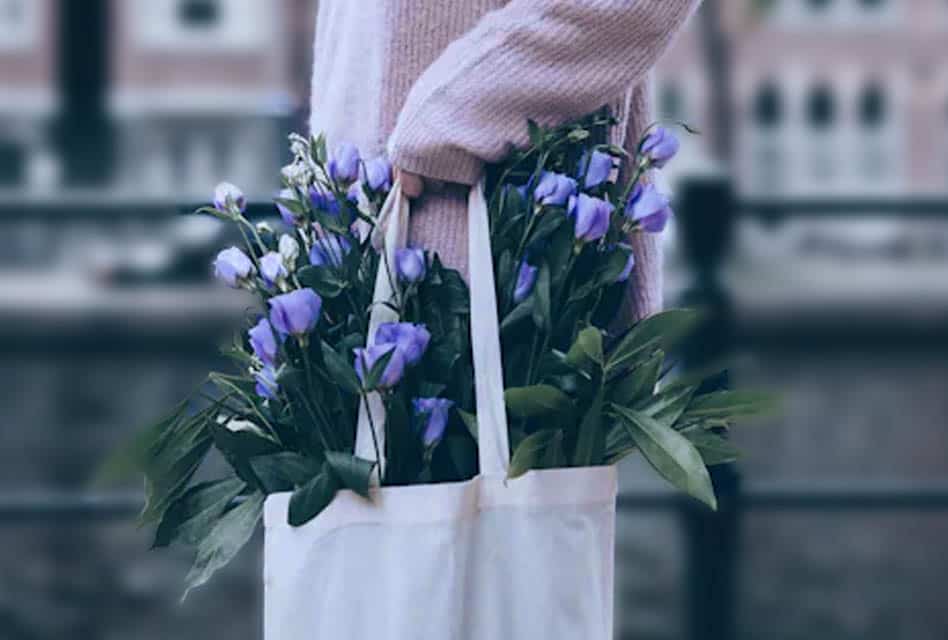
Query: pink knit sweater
x=450, y=85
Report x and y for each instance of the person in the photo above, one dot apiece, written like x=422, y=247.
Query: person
x=446, y=86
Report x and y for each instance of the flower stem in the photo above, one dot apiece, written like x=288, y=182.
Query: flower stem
x=375, y=438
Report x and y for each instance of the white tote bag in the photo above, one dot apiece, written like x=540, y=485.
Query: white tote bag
x=487, y=559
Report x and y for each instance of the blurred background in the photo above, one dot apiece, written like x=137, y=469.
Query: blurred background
x=812, y=220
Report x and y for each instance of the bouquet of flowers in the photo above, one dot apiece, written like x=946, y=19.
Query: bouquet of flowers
x=579, y=391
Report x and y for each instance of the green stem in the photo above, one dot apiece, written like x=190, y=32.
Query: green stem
x=375, y=438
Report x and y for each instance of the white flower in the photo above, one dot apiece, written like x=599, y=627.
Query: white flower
x=290, y=250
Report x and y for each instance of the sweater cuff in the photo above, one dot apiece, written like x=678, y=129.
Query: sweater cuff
x=448, y=165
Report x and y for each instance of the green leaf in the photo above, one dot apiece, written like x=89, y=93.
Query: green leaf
x=591, y=443
x=588, y=347
x=663, y=330
x=131, y=458
x=542, y=314
x=191, y=518
x=308, y=501
x=715, y=449
x=668, y=405
x=521, y=311
x=640, y=383
x=528, y=402
x=535, y=132
x=671, y=454
x=470, y=421
x=531, y=450
x=283, y=471
x=352, y=473
x=341, y=370
x=375, y=374
x=225, y=540
x=325, y=281
x=731, y=404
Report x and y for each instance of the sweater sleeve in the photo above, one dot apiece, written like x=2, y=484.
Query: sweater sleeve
x=546, y=60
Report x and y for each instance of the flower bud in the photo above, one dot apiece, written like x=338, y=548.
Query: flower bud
x=595, y=168
x=343, y=165
x=554, y=189
x=329, y=251
x=267, y=386
x=410, y=339
x=228, y=199
x=263, y=342
x=431, y=418
x=649, y=208
x=289, y=216
x=660, y=146
x=365, y=360
x=233, y=267
x=377, y=174
x=410, y=265
x=591, y=217
x=289, y=250
x=295, y=313
x=272, y=269
x=526, y=279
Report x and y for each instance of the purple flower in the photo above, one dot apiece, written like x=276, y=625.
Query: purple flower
x=267, y=386
x=591, y=217
x=377, y=173
x=526, y=279
x=272, y=268
x=410, y=265
x=343, y=165
x=353, y=193
x=660, y=146
x=627, y=271
x=554, y=189
x=323, y=201
x=289, y=216
x=649, y=207
x=431, y=415
x=296, y=312
x=263, y=342
x=596, y=167
x=228, y=197
x=410, y=339
x=329, y=250
x=365, y=360
x=233, y=267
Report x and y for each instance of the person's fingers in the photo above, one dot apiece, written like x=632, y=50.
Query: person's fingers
x=413, y=185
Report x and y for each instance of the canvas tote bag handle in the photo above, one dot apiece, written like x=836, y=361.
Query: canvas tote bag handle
x=493, y=445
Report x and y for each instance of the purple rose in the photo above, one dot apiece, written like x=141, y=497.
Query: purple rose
x=296, y=312
x=627, y=271
x=289, y=216
x=431, y=416
x=272, y=269
x=233, y=267
x=410, y=265
x=329, y=251
x=267, y=386
x=410, y=339
x=591, y=217
x=660, y=146
x=264, y=342
x=649, y=208
x=228, y=197
x=596, y=167
x=526, y=279
x=377, y=173
x=554, y=189
x=365, y=360
x=343, y=165
x=323, y=201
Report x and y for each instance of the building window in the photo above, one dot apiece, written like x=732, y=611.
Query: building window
x=200, y=14
x=873, y=107
x=821, y=108
x=768, y=106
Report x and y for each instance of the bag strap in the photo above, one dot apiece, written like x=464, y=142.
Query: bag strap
x=493, y=444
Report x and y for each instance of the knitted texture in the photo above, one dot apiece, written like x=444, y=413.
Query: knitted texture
x=454, y=83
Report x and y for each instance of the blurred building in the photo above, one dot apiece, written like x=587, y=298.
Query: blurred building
x=830, y=97
x=162, y=97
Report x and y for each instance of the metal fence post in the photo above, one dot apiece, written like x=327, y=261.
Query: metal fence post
x=707, y=214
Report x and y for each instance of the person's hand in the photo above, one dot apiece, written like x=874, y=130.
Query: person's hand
x=414, y=185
